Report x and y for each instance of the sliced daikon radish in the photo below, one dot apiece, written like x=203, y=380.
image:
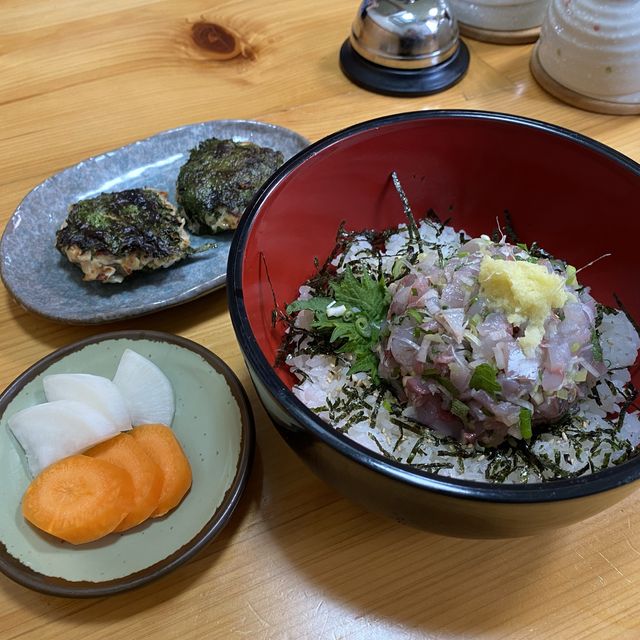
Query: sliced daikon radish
x=97, y=391
x=51, y=431
x=146, y=390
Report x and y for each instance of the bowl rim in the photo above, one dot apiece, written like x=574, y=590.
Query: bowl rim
x=258, y=365
x=57, y=586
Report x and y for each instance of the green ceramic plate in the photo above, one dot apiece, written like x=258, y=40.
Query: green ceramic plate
x=214, y=423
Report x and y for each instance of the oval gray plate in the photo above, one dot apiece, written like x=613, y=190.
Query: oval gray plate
x=44, y=282
x=213, y=422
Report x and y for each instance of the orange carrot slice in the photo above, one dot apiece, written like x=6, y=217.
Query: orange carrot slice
x=163, y=448
x=125, y=451
x=79, y=499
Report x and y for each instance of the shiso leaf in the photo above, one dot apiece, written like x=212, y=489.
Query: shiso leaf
x=357, y=330
x=364, y=293
x=312, y=304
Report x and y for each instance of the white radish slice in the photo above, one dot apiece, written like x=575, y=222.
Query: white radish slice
x=97, y=391
x=146, y=390
x=54, y=430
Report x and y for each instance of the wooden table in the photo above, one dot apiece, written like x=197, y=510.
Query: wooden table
x=297, y=560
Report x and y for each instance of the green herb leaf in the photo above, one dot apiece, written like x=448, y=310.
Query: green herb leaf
x=357, y=330
x=484, y=378
x=366, y=361
x=313, y=304
x=415, y=315
x=525, y=423
x=366, y=294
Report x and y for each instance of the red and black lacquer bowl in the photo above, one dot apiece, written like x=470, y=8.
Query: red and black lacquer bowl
x=576, y=197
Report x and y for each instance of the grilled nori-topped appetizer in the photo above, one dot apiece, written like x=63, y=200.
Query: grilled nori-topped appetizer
x=218, y=181
x=114, y=234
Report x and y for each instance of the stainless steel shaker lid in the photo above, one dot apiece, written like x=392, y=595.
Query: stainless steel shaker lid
x=404, y=47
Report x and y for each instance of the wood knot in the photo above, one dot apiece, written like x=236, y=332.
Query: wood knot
x=220, y=41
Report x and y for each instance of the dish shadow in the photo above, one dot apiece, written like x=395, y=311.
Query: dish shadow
x=130, y=285
x=368, y=577
x=54, y=334
x=350, y=561
x=354, y=559
x=156, y=279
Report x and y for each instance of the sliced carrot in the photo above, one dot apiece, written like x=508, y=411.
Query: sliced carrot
x=125, y=451
x=79, y=499
x=162, y=446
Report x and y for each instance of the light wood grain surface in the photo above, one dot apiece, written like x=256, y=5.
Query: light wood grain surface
x=297, y=560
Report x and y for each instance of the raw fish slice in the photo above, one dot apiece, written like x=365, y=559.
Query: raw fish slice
x=51, y=431
x=146, y=390
x=97, y=391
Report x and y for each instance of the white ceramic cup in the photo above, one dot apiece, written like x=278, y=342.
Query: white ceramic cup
x=593, y=48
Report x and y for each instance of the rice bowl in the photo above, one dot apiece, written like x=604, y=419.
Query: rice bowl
x=468, y=166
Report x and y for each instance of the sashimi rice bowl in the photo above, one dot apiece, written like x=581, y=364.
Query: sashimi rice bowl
x=449, y=322
x=466, y=357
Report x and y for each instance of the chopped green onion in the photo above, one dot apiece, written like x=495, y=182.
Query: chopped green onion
x=363, y=327
x=570, y=278
x=484, y=378
x=397, y=269
x=459, y=409
x=525, y=423
x=414, y=314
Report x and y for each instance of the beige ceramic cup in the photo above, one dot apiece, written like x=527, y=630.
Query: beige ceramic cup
x=588, y=54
